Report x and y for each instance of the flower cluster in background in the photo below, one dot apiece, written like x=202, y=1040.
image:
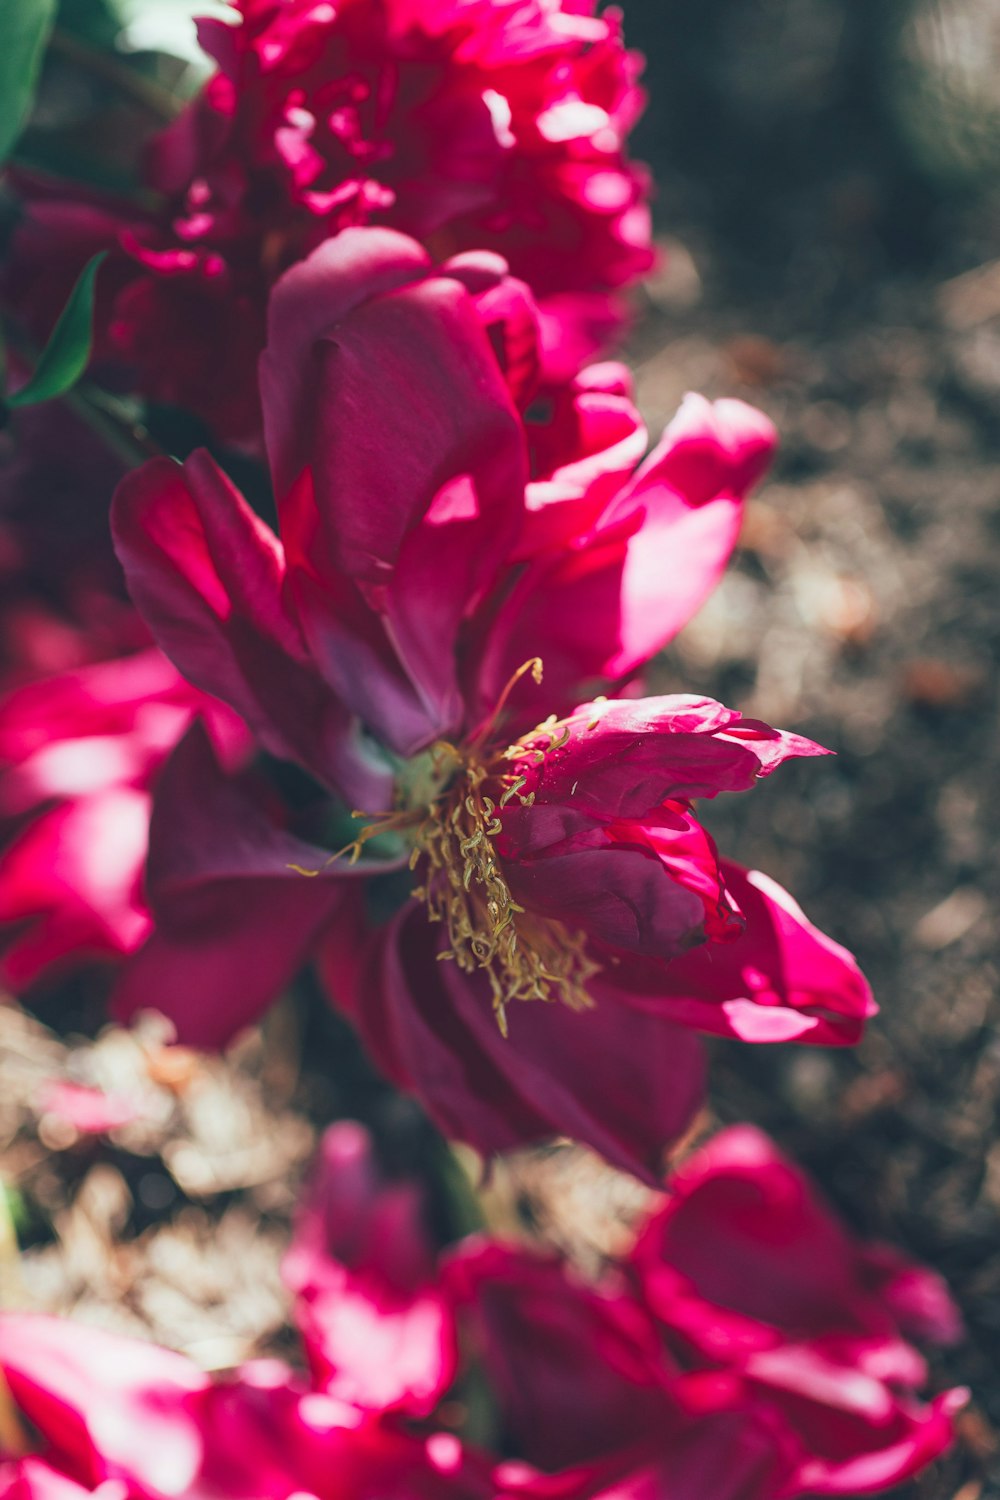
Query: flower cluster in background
x=745, y=1347
x=347, y=677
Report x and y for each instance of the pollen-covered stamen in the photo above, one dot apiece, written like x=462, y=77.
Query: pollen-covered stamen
x=378, y=823
x=525, y=956
x=450, y=803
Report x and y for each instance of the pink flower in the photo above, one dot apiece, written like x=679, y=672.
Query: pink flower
x=114, y=1415
x=399, y=460
x=377, y=1329
x=569, y=866
x=761, y=1294
x=476, y=126
x=745, y=1315
x=375, y=645
x=79, y=753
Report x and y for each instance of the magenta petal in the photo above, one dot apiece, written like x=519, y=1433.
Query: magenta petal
x=234, y=920
x=70, y=884
x=388, y=391
x=691, y=489
x=782, y=980
x=726, y=1455
x=410, y=401
x=621, y=897
x=918, y=1297
x=579, y=1371
x=613, y=1077
x=747, y=1267
x=915, y=1437
x=108, y=1407
x=507, y=310
x=306, y=305
x=348, y=1214
x=378, y=1352
x=378, y=1330
x=399, y=466
x=581, y=456
x=207, y=575
x=624, y=757
x=744, y=1235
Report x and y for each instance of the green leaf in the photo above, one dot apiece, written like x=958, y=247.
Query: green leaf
x=24, y=31
x=65, y=356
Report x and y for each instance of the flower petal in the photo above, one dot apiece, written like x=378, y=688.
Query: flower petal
x=207, y=575
x=234, y=919
x=782, y=980
x=613, y=1078
x=690, y=491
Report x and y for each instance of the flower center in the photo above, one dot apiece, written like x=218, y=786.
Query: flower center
x=449, y=805
x=524, y=955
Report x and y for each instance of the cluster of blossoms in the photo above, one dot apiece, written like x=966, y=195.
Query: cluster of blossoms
x=744, y=1349
x=469, y=124
x=384, y=714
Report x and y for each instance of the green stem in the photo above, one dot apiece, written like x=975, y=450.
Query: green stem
x=113, y=424
x=11, y=1288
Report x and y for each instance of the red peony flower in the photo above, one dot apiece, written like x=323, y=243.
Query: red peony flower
x=468, y=124
x=762, y=1295
x=742, y=1298
x=376, y=646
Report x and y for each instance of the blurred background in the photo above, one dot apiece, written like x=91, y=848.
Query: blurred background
x=828, y=206
x=830, y=171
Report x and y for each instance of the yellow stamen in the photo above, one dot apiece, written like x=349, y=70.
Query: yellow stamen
x=453, y=821
x=532, y=665
x=525, y=956
x=380, y=823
